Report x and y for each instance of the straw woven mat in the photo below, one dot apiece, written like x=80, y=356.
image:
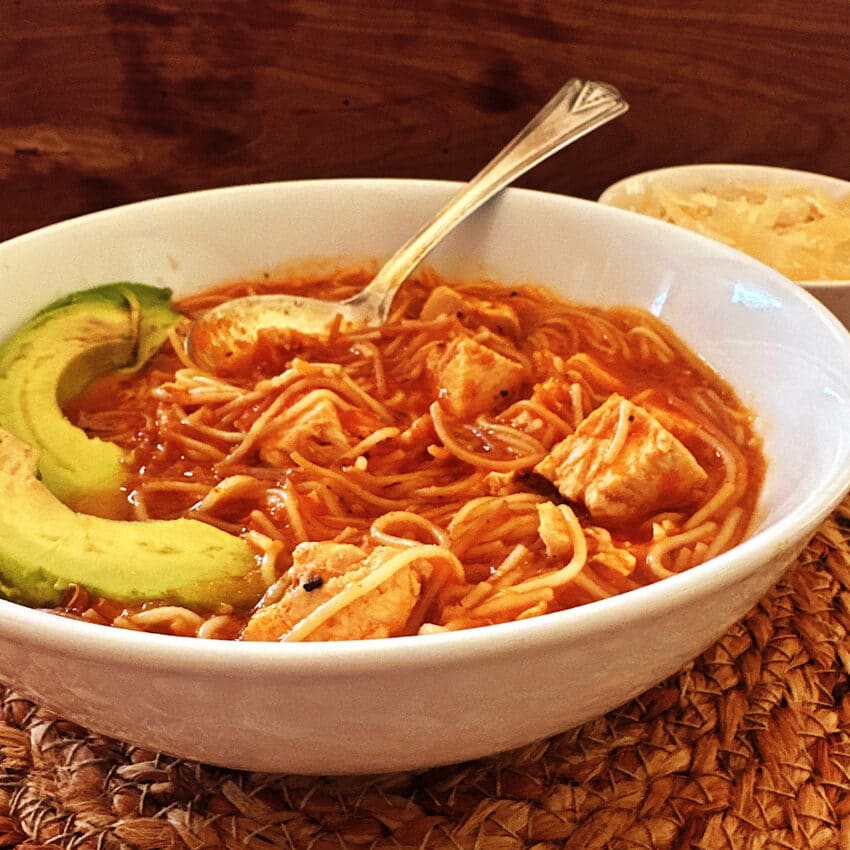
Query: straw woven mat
x=747, y=747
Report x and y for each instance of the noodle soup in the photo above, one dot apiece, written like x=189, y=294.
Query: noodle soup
x=413, y=702
x=488, y=455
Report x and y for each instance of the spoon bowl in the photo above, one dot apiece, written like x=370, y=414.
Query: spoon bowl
x=579, y=107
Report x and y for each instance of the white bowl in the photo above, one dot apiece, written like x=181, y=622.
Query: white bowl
x=407, y=703
x=835, y=294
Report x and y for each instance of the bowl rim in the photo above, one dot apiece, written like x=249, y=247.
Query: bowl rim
x=772, y=173
x=73, y=638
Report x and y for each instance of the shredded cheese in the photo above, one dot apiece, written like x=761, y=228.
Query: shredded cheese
x=801, y=232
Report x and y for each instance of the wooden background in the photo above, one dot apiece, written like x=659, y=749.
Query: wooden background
x=108, y=101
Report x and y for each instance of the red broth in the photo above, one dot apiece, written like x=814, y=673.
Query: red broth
x=427, y=434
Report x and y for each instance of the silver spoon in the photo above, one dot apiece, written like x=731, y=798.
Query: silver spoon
x=579, y=107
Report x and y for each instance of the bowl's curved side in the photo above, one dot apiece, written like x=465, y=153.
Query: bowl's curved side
x=413, y=702
x=446, y=701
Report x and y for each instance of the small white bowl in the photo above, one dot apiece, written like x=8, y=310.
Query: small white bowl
x=835, y=294
x=412, y=702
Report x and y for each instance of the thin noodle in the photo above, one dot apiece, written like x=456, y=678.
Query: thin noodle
x=266, y=526
x=485, y=589
x=163, y=486
x=212, y=433
x=289, y=498
x=577, y=402
x=731, y=528
x=378, y=364
x=534, y=611
x=367, y=443
x=168, y=615
x=475, y=458
x=446, y=491
x=214, y=627
x=343, y=482
x=380, y=533
x=178, y=346
x=661, y=547
x=511, y=599
x=661, y=349
x=233, y=487
x=591, y=586
x=198, y=448
x=511, y=438
x=618, y=441
x=567, y=573
x=721, y=496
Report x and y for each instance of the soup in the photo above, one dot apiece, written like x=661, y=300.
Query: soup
x=487, y=455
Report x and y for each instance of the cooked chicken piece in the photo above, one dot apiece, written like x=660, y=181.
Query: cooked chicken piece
x=472, y=378
x=312, y=427
x=501, y=483
x=603, y=550
x=623, y=465
x=554, y=530
x=472, y=312
x=322, y=570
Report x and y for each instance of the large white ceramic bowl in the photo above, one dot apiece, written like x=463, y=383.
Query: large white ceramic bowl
x=625, y=193
x=412, y=702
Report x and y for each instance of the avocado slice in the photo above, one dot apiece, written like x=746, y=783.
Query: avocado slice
x=45, y=547
x=52, y=358
x=48, y=467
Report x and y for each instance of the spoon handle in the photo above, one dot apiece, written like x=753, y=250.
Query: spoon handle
x=222, y=332
x=578, y=107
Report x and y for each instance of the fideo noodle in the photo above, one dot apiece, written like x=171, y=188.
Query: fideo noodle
x=487, y=455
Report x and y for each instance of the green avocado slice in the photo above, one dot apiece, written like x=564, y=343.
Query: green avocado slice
x=49, y=467
x=45, y=547
x=55, y=355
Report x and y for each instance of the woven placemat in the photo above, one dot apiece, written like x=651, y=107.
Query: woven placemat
x=747, y=747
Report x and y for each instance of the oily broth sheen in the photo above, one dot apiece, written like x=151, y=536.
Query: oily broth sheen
x=185, y=434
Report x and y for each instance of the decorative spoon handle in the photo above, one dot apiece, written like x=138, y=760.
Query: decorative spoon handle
x=579, y=107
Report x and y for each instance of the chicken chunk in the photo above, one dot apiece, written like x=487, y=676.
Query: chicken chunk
x=501, y=483
x=623, y=465
x=471, y=311
x=312, y=426
x=320, y=571
x=472, y=378
x=554, y=530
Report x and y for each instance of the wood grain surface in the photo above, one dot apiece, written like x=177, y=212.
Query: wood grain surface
x=108, y=101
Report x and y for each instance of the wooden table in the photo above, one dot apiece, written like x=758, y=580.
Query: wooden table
x=107, y=102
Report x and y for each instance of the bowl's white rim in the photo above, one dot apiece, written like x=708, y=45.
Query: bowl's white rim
x=772, y=173
x=76, y=639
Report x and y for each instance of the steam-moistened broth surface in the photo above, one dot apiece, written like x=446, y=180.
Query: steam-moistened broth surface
x=487, y=455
